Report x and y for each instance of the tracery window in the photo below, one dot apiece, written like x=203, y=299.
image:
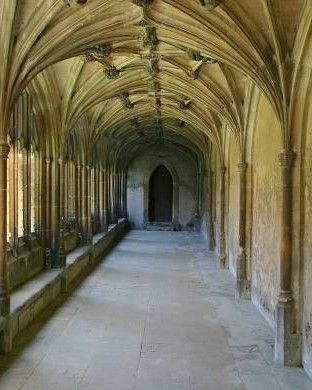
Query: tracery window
x=23, y=175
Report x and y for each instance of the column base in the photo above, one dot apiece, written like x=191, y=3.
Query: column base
x=243, y=289
x=222, y=261
x=4, y=302
x=287, y=343
x=6, y=340
x=212, y=245
x=58, y=260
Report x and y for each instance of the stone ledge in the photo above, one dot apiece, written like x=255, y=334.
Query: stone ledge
x=34, y=296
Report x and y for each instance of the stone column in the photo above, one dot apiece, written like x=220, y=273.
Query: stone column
x=78, y=206
x=48, y=200
x=242, y=284
x=105, y=199
x=43, y=201
x=85, y=215
x=211, y=237
x=222, y=243
x=287, y=346
x=4, y=290
x=61, y=257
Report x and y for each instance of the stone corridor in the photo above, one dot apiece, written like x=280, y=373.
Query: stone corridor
x=156, y=314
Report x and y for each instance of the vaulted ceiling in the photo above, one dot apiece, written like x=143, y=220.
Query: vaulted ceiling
x=135, y=72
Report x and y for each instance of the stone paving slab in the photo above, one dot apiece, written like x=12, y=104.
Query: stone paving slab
x=156, y=314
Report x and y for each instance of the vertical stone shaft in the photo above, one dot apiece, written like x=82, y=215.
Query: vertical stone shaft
x=86, y=206
x=211, y=237
x=105, y=199
x=43, y=201
x=222, y=244
x=4, y=293
x=287, y=345
x=48, y=199
x=242, y=286
x=61, y=247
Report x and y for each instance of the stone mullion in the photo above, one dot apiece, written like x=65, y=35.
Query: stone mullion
x=55, y=212
x=61, y=258
x=96, y=199
x=287, y=345
x=89, y=219
x=13, y=193
x=78, y=206
x=242, y=284
x=222, y=243
x=46, y=199
x=37, y=181
x=108, y=201
x=121, y=199
x=115, y=195
x=105, y=199
x=42, y=202
x=4, y=288
x=125, y=195
x=212, y=242
x=86, y=207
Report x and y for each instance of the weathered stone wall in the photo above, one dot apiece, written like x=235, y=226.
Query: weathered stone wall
x=233, y=205
x=266, y=211
x=138, y=177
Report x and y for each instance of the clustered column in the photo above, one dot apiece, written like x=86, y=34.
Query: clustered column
x=222, y=243
x=286, y=340
x=242, y=287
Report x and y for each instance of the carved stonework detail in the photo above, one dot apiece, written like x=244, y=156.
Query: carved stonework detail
x=286, y=158
x=185, y=103
x=143, y=3
x=210, y=4
x=69, y=3
x=125, y=101
x=195, y=55
x=149, y=37
x=135, y=122
x=4, y=151
x=111, y=72
x=152, y=67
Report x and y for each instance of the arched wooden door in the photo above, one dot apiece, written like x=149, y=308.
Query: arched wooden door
x=160, y=195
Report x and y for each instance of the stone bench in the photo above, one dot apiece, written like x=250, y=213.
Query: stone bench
x=29, y=300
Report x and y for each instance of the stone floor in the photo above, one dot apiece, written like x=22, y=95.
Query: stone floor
x=157, y=314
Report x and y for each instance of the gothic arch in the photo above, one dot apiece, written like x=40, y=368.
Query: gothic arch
x=175, y=179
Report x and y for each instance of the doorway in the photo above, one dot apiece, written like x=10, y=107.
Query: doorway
x=160, y=195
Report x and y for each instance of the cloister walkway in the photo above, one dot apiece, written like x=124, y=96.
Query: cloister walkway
x=156, y=314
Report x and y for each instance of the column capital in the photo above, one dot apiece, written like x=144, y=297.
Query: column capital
x=242, y=167
x=286, y=158
x=4, y=150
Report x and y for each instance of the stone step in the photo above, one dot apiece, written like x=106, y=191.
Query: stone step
x=159, y=226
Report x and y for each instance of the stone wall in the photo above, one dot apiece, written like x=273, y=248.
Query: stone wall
x=185, y=173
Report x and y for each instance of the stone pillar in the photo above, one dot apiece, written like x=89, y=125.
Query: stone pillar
x=105, y=199
x=222, y=243
x=85, y=215
x=4, y=290
x=61, y=257
x=78, y=207
x=211, y=236
x=287, y=345
x=48, y=200
x=43, y=202
x=242, y=284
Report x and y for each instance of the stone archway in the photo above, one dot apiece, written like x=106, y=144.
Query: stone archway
x=160, y=195
x=175, y=194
